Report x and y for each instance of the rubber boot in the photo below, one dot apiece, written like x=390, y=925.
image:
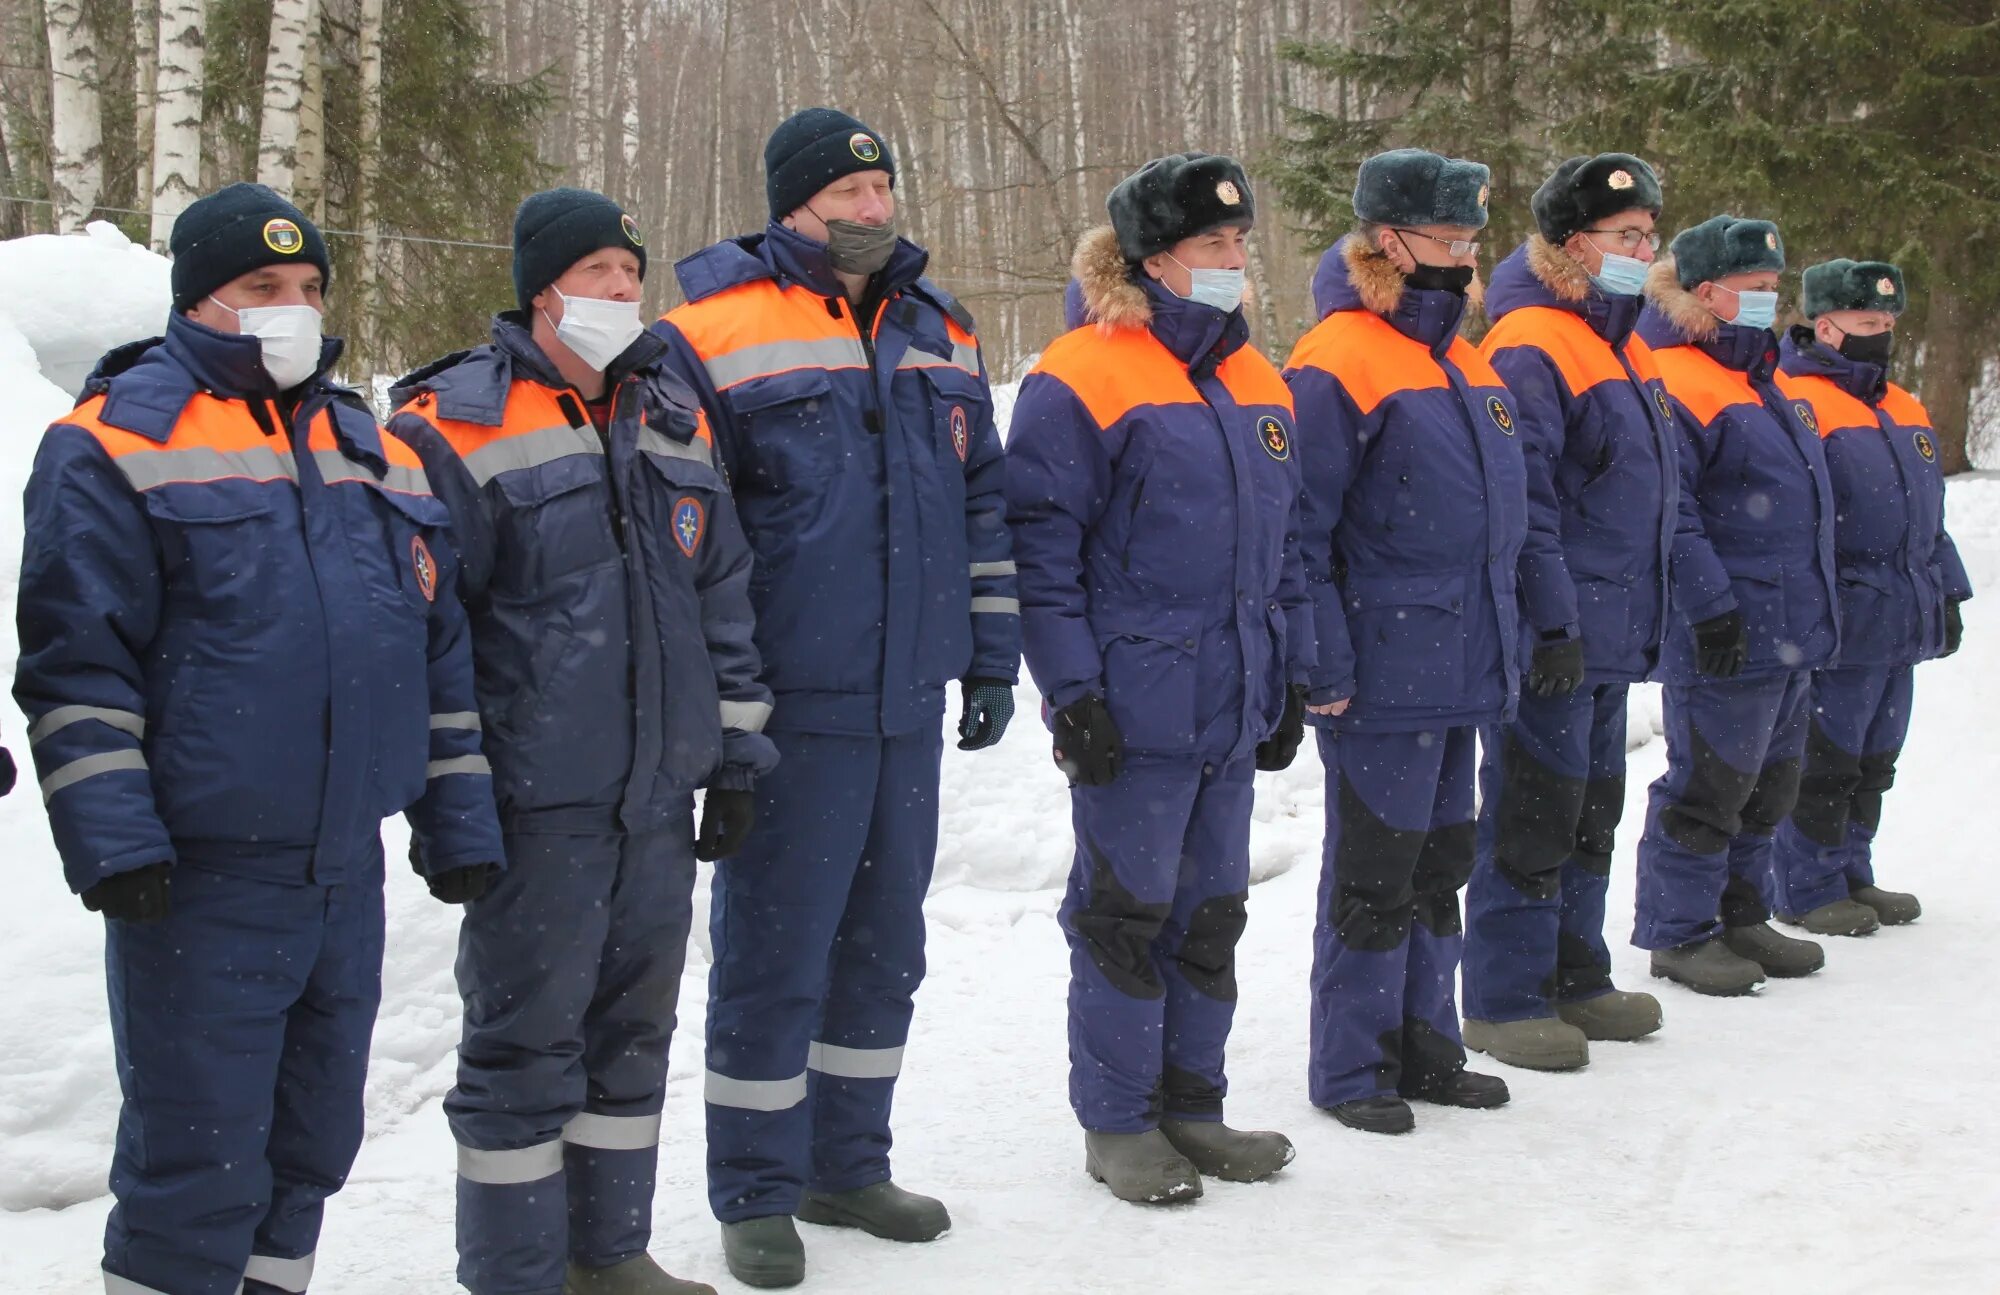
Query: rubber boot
x=1376, y=1114
x=1233, y=1155
x=1708, y=967
x=1893, y=907
x=1539, y=1043
x=1841, y=917
x=879, y=1209
x=1777, y=954
x=1144, y=1168
x=764, y=1252
x=1618, y=1017
x=1466, y=1088
x=640, y=1275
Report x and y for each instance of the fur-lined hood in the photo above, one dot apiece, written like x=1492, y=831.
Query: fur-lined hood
x=1353, y=273
x=1110, y=295
x=1562, y=274
x=1694, y=321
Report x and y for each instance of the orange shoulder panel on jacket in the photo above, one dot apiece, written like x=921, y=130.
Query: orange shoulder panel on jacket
x=1476, y=368
x=1833, y=410
x=1254, y=380
x=1571, y=344
x=753, y=314
x=1698, y=382
x=206, y=422
x=319, y=436
x=1371, y=360
x=1642, y=358
x=1117, y=371
x=531, y=407
x=1905, y=408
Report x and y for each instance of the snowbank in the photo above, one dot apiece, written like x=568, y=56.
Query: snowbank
x=74, y=297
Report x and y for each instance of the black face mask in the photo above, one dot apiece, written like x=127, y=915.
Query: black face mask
x=1873, y=349
x=1454, y=279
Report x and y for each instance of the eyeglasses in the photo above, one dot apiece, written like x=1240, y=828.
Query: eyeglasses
x=1629, y=239
x=1456, y=246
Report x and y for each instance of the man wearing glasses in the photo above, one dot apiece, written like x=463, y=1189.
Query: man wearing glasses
x=1412, y=523
x=1599, y=445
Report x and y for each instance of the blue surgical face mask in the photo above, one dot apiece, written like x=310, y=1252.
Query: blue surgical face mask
x=1756, y=309
x=1222, y=289
x=1621, y=276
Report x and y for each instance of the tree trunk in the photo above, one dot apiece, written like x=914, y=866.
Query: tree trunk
x=716, y=229
x=177, y=115
x=293, y=23
x=1951, y=370
x=76, y=125
x=145, y=88
x=309, y=175
x=367, y=201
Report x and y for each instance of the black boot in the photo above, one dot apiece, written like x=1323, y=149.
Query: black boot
x=764, y=1252
x=1462, y=1088
x=1376, y=1115
x=879, y=1209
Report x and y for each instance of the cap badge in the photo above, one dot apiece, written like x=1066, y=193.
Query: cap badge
x=1228, y=194
x=1885, y=286
x=283, y=236
x=863, y=146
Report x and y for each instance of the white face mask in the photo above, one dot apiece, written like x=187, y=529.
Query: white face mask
x=1222, y=289
x=597, y=330
x=289, y=337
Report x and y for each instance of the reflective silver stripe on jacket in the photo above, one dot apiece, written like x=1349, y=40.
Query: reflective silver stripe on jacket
x=749, y=716
x=457, y=764
x=508, y=1168
x=612, y=1132
x=335, y=467
x=530, y=450
x=89, y=767
x=766, y=358
x=754, y=1094
x=996, y=606
x=855, y=1063
x=654, y=441
x=962, y=357
x=147, y=469
x=286, y=1274
x=62, y=717
x=456, y=719
x=980, y=569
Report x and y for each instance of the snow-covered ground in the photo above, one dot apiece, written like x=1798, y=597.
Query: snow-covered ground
x=1827, y=1135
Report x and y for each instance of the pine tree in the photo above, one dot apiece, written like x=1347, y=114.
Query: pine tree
x=1864, y=129
x=1496, y=83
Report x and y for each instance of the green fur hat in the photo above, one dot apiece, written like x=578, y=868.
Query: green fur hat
x=1853, y=285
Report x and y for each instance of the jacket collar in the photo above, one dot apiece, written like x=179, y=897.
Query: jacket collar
x=147, y=384
x=1353, y=276
x=791, y=255
x=1802, y=354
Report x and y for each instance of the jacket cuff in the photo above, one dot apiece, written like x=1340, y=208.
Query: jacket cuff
x=1711, y=609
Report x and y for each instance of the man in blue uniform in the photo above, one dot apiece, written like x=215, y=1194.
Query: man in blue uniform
x=241, y=649
x=608, y=583
x=1900, y=586
x=850, y=405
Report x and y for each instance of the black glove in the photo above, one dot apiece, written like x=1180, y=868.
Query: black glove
x=727, y=815
x=1721, y=646
x=1954, y=634
x=140, y=895
x=1088, y=747
x=989, y=705
x=462, y=885
x=1557, y=670
x=1277, y=751
x=7, y=772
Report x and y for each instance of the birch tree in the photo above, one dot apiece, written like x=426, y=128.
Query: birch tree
x=293, y=23
x=76, y=136
x=176, y=115
x=145, y=87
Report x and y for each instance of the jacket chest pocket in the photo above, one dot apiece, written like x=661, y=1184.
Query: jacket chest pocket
x=404, y=566
x=953, y=404
x=224, y=553
x=681, y=497
x=558, y=524
x=788, y=429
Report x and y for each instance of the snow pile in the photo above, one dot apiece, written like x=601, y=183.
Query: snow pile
x=74, y=297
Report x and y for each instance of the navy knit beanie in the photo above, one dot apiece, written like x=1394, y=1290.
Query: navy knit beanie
x=811, y=149
x=235, y=230
x=556, y=228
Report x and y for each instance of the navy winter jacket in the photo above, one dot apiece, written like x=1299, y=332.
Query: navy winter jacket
x=1897, y=567
x=1598, y=437
x=1415, y=507
x=1758, y=536
x=241, y=641
x=1153, y=492
x=868, y=475
x=607, y=580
